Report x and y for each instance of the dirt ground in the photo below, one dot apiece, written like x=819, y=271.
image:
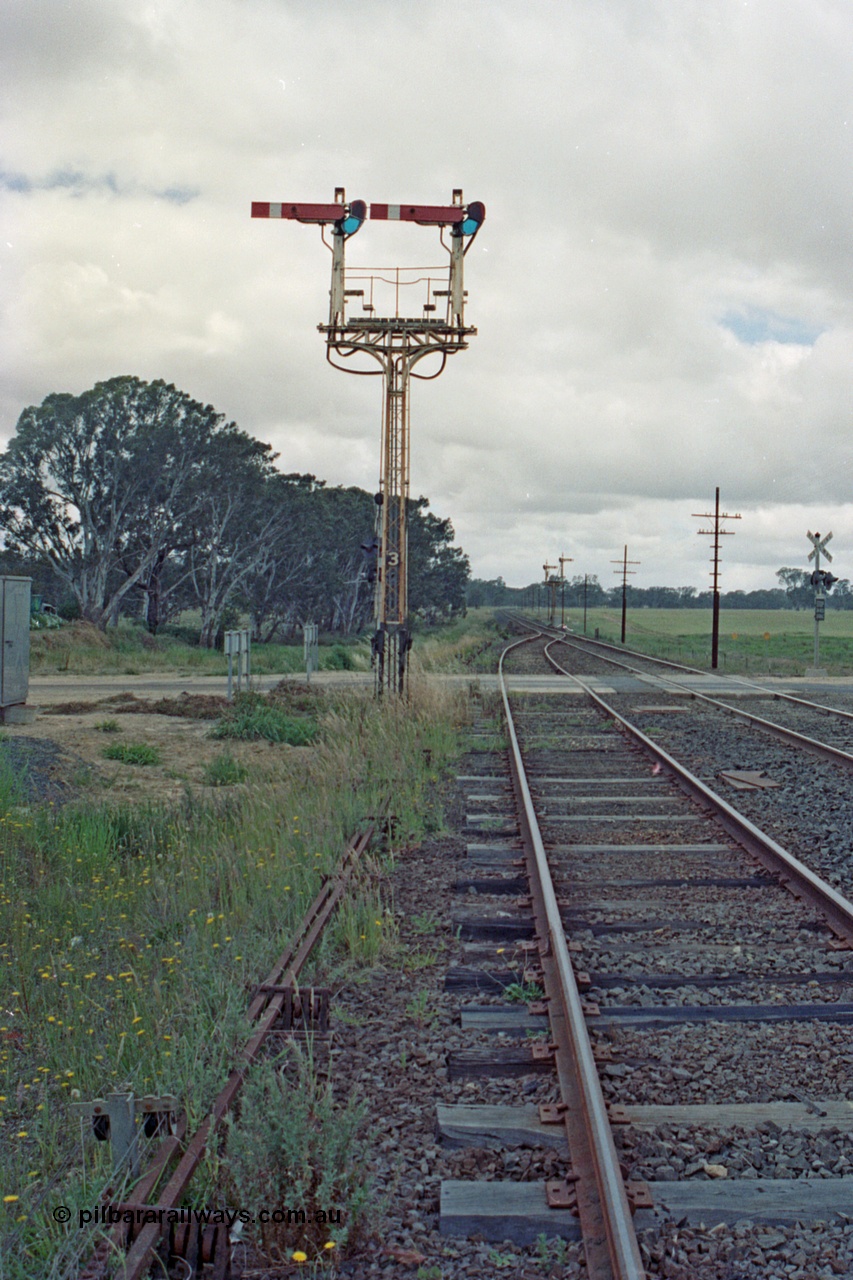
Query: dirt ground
x=63, y=748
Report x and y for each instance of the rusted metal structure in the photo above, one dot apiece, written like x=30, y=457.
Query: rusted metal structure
x=391, y=318
x=279, y=1004
x=596, y=1192
x=564, y=560
x=595, y=1189
x=795, y=876
x=551, y=581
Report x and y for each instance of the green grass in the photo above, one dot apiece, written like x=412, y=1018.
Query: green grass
x=470, y=644
x=752, y=641
x=294, y=1146
x=254, y=716
x=81, y=649
x=129, y=938
x=224, y=771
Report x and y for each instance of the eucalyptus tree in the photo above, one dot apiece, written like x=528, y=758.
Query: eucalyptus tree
x=438, y=571
x=236, y=527
x=97, y=485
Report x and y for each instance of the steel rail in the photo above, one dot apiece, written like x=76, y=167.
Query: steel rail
x=796, y=877
x=264, y=1010
x=802, y=740
x=777, y=694
x=610, y=1242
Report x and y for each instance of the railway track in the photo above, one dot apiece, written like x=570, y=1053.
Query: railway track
x=826, y=731
x=805, y=798
x=698, y=995
x=695, y=1018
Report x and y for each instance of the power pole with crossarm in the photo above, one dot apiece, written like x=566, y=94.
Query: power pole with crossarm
x=716, y=533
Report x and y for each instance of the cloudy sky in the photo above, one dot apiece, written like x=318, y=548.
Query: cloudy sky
x=663, y=288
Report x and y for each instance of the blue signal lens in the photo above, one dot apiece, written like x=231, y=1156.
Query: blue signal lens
x=475, y=219
x=351, y=223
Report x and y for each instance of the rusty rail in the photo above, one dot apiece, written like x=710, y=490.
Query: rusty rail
x=791, y=735
x=776, y=694
x=610, y=1242
x=802, y=740
x=797, y=878
x=264, y=1010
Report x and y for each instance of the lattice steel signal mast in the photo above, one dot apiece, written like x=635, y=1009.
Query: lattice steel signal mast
x=366, y=318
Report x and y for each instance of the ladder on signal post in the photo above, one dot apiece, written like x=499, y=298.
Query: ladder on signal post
x=397, y=341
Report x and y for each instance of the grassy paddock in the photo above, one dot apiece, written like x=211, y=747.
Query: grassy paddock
x=760, y=641
x=464, y=645
x=130, y=939
x=78, y=648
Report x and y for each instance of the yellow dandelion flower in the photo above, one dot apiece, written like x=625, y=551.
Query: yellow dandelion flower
x=330, y=1244
x=11, y=1199
x=299, y=1256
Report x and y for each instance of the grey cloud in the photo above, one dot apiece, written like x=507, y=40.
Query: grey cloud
x=662, y=287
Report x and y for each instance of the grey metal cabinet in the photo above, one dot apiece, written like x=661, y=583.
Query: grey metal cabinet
x=14, y=640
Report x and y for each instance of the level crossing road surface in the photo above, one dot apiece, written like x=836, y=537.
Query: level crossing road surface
x=48, y=690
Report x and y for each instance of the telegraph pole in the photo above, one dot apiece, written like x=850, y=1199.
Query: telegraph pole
x=716, y=533
x=564, y=560
x=626, y=573
x=367, y=327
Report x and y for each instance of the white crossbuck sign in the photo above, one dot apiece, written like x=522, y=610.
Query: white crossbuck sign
x=819, y=546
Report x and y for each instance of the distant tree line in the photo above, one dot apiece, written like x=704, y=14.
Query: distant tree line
x=795, y=592
x=134, y=500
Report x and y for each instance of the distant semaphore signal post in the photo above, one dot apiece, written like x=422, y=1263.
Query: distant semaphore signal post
x=551, y=581
x=394, y=318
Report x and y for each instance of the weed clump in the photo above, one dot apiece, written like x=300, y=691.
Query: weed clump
x=299, y=1153
x=224, y=771
x=254, y=717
